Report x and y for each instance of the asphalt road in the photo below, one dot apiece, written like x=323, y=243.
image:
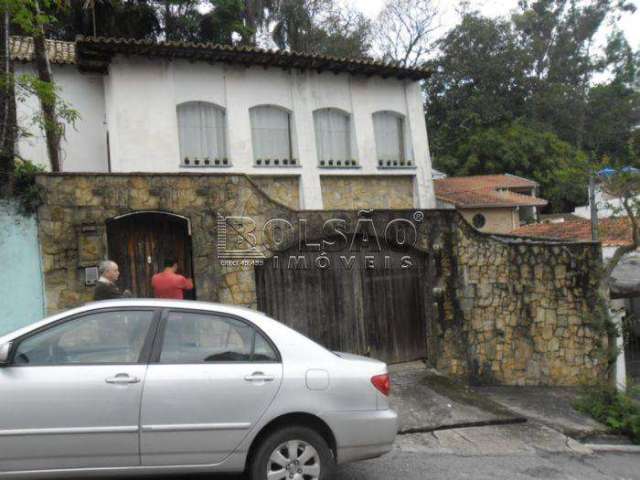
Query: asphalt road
x=417, y=466
x=515, y=452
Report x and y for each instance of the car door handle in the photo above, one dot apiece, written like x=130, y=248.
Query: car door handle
x=259, y=377
x=122, y=379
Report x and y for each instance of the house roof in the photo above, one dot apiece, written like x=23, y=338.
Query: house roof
x=612, y=232
x=59, y=52
x=95, y=53
x=478, y=182
x=486, y=191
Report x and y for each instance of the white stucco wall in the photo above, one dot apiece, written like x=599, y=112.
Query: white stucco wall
x=142, y=95
x=136, y=104
x=84, y=148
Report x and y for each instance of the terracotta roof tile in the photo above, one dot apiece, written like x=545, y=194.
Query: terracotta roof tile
x=96, y=52
x=476, y=182
x=487, y=191
x=613, y=232
x=489, y=198
x=59, y=52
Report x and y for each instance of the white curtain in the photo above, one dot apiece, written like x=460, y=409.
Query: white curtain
x=270, y=133
x=389, y=132
x=202, y=133
x=333, y=135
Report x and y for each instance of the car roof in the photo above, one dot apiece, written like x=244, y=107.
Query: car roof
x=244, y=312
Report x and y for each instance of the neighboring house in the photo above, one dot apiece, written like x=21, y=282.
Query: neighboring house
x=624, y=282
x=491, y=203
x=607, y=205
x=313, y=131
x=437, y=174
x=612, y=232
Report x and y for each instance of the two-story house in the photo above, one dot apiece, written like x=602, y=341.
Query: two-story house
x=314, y=132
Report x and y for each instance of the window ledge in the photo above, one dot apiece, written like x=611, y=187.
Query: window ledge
x=188, y=167
x=340, y=167
x=396, y=167
x=262, y=165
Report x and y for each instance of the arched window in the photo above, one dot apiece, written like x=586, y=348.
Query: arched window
x=202, y=131
x=333, y=137
x=389, y=132
x=271, y=134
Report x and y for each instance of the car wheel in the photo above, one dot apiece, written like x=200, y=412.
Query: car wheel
x=293, y=453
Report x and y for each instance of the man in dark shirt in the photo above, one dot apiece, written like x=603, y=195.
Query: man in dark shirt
x=106, y=288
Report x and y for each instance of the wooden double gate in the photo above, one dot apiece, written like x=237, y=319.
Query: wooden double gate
x=358, y=302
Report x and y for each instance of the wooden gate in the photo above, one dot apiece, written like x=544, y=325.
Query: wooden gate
x=141, y=242
x=381, y=312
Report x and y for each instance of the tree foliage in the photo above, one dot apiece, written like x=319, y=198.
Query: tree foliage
x=536, y=74
x=322, y=27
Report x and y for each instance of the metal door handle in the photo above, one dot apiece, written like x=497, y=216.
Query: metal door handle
x=122, y=379
x=259, y=377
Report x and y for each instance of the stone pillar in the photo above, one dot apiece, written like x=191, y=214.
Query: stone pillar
x=617, y=310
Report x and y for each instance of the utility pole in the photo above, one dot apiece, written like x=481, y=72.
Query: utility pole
x=593, y=207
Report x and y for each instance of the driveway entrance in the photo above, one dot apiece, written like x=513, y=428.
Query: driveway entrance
x=368, y=303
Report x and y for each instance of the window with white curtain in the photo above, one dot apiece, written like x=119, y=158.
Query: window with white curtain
x=333, y=137
x=389, y=133
x=271, y=135
x=202, y=132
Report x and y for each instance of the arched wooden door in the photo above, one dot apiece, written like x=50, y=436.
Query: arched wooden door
x=140, y=243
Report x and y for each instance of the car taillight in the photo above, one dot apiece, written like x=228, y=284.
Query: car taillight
x=382, y=383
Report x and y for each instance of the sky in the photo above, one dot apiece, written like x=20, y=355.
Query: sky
x=494, y=8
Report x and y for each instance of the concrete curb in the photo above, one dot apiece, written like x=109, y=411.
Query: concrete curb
x=613, y=448
x=484, y=423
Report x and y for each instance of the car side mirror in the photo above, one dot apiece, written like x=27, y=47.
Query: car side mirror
x=5, y=351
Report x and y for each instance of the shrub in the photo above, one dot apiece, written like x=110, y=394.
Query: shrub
x=618, y=411
x=27, y=191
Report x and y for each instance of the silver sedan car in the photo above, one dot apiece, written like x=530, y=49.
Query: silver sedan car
x=153, y=386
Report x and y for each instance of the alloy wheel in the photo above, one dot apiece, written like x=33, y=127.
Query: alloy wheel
x=294, y=460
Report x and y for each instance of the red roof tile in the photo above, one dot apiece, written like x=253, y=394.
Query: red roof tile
x=613, y=232
x=489, y=191
x=478, y=182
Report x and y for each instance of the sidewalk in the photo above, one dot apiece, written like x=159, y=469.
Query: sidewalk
x=550, y=406
x=426, y=401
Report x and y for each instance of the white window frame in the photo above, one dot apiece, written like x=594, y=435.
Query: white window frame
x=212, y=143
x=328, y=157
x=286, y=157
x=401, y=158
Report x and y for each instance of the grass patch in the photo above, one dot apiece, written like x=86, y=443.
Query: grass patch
x=620, y=412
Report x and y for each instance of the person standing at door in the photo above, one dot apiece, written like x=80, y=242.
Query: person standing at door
x=106, y=288
x=170, y=284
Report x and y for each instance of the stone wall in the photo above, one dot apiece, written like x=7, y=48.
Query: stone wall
x=72, y=227
x=354, y=192
x=519, y=312
x=284, y=190
x=502, y=310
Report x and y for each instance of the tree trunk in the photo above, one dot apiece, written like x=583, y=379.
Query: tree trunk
x=43, y=67
x=8, y=126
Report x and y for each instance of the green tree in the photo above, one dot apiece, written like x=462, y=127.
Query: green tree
x=478, y=82
x=8, y=124
x=322, y=27
x=524, y=150
x=226, y=19
x=30, y=17
x=559, y=38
